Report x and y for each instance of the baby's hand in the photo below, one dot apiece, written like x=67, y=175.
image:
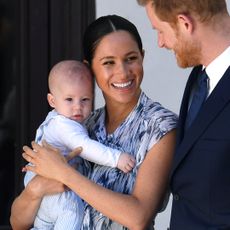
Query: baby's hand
x=126, y=162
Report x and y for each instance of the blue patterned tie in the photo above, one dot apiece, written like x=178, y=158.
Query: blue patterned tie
x=199, y=97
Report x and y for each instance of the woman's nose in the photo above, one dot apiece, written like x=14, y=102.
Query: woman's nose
x=122, y=69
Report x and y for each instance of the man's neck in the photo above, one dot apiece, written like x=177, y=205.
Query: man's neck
x=215, y=40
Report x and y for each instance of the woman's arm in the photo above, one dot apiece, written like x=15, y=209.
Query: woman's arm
x=134, y=211
x=25, y=206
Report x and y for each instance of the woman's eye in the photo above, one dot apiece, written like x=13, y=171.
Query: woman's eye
x=132, y=58
x=108, y=62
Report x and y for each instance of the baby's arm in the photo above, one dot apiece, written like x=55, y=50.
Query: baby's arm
x=98, y=153
x=76, y=135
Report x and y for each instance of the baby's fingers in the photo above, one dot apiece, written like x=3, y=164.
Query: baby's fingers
x=132, y=162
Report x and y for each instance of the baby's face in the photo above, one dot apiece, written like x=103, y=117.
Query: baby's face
x=74, y=99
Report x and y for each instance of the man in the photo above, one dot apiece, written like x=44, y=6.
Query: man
x=198, y=31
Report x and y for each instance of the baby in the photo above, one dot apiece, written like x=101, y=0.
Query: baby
x=71, y=97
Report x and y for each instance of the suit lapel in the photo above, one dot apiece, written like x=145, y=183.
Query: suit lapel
x=210, y=110
x=184, y=104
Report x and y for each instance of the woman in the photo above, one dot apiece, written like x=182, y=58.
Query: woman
x=130, y=121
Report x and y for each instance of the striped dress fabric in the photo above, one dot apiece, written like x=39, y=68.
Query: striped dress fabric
x=145, y=126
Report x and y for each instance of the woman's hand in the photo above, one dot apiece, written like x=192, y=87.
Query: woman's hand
x=47, y=161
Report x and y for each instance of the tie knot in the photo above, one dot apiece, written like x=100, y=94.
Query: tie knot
x=199, y=96
x=203, y=77
x=202, y=82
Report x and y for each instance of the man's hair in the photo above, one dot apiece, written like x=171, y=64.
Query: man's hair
x=143, y=2
x=204, y=10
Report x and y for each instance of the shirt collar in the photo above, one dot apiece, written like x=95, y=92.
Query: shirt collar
x=216, y=69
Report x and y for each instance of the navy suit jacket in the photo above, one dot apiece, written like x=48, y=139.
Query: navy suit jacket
x=200, y=177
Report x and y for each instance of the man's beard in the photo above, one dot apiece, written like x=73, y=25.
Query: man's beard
x=188, y=52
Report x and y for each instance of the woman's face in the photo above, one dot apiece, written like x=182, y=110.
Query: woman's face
x=118, y=67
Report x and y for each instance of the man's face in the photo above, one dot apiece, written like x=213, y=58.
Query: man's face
x=187, y=51
x=186, y=48
x=165, y=34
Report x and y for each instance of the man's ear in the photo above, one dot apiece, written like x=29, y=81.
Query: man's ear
x=51, y=100
x=186, y=23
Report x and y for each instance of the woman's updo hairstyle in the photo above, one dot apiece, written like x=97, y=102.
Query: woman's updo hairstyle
x=104, y=26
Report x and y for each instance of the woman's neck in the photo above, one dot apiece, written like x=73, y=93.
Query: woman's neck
x=116, y=113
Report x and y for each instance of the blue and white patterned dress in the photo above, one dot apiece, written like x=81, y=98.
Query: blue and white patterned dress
x=144, y=127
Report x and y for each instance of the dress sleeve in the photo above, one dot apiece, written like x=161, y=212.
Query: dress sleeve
x=163, y=122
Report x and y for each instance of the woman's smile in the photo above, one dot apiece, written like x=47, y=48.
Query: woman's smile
x=123, y=85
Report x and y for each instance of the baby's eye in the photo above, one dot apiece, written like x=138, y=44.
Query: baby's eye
x=85, y=99
x=69, y=99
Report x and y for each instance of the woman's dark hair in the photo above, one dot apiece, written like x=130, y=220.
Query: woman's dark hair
x=104, y=26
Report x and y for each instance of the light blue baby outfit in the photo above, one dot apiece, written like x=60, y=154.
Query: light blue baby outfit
x=65, y=211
